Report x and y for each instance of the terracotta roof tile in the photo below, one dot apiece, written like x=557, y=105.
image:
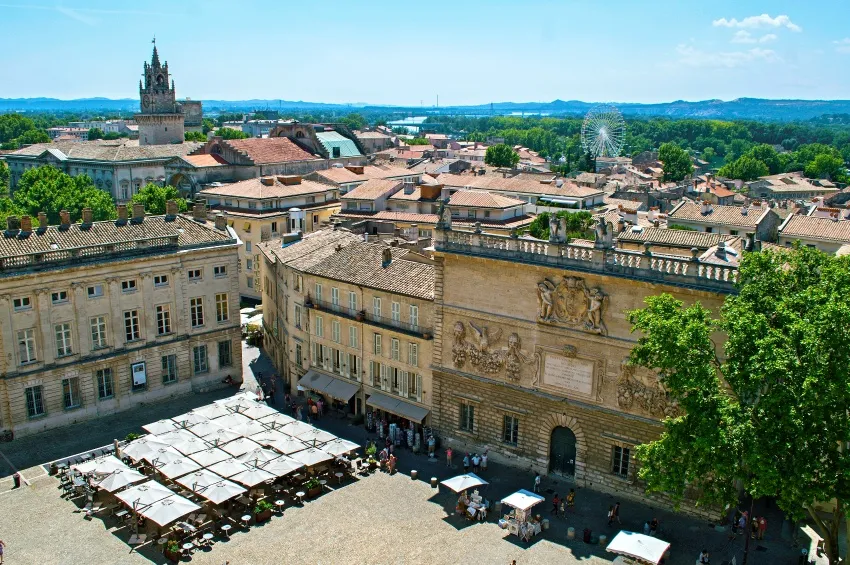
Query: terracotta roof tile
x=341, y=175
x=719, y=215
x=673, y=238
x=482, y=199
x=99, y=150
x=255, y=188
x=372, y=189
x=816, y=228
x=270, y=150
x=522, y=185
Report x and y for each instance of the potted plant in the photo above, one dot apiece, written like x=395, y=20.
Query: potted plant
x=314, y=487
x=263, y=511
x=131, y=436
x=172, y=550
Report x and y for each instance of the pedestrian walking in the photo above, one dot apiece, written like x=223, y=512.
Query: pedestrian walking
x=610, y=515
x=703, y=557
x=754, y=527
x=2, y=550
x=537, y=482
x=563, y=508
x=314, y=411
x=432, y=446
x=271, y=392
x=320, y=407
x=484, y=461
x=287, y=400
x=571, y=499
x=449, y=457
x=298, y=413
x=392, y=462
x=466, y=463
x=762, y=527
x=617, y=512
x=476, y=463
x=259, y=391
x=556, y=503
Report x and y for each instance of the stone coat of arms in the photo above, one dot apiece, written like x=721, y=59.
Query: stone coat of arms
x=570, y=302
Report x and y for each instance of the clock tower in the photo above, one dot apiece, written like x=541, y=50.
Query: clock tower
x=160, y=120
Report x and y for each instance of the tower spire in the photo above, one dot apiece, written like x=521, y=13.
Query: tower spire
x=155, y=58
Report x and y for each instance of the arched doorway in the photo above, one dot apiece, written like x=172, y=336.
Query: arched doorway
x=562, y=451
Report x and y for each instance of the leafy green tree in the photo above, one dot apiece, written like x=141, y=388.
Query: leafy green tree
x=208, y=125
x=579, y=224
x=709, y=154
x=745, y=168
x=5, y=175
x=154, y=197
x=676, y=162
x=501, y=155
x=194, y=136
x=774, y=414
x=826, y=166
x=354, y=121
x=767, y=155
x=95, y=133
x=13, y=126
x=418, y=141
x=230, y=133
x=8, y=208
x=47, y=189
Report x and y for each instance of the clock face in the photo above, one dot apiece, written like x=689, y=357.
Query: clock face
x=146, y=101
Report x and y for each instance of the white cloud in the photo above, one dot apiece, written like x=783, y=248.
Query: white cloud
x=756, y=22
x=693, y=57
x=842, y=45
x=743, y=36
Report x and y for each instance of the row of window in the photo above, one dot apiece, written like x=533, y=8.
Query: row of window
x=105, y=379
x=377, y=305
x=127, y=285
x=333, y=360
x=620, y=455
x=395, y=380
x=377, y=341
x=132, y=328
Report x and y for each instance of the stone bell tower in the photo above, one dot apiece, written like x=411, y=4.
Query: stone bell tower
x=160, y=120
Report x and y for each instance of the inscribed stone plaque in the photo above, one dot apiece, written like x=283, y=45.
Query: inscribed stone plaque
x=572, y=374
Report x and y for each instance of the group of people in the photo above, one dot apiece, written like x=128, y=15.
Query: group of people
x=476, y=461
x=561, y=505
x=315, y=408
x=757, y=525
x=265, y=388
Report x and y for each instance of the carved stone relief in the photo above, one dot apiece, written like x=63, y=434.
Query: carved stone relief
x=566, y=372
x=479, y=350
x=644, y=394
x=571, y=303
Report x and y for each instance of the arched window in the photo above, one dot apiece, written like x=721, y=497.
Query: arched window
x=299, y=134
x=160, y=80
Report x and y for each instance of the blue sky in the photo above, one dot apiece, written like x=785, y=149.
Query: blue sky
x=409, y=52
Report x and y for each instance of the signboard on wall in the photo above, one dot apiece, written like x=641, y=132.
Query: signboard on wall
x=140, y=377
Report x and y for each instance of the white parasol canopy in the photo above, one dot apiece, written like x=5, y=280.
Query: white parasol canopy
x=258, y=410
x=282, y=466
x=258, y=455
x=143, y=494
x=191, y=445
x=276, y=420
x=176, y=435
x=232, y=420
x=240, y=446
x=209, y=456
x=178, y=468
x=189, y=419
x=162, y=456
x=139, y=448
x=165, y=511
x=253, y=477
x=296, y=428
x=316, y=435
x=213, y=410
x=638, y=546
x=198, y=479
x=236, y=398
x=160, y=427
x=222, y=436
x=522, y=500
x=228, y=467
x=221, y=491
x=204, y=429
x=311, y=456
x=463, y=482
x=120, y=478
x=286, y=445
x=250, y=428
x=102, y=465
x=339, y=446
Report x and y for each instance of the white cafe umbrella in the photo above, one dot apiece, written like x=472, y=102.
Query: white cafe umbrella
x=178, y=468
x=285, y=444
x=296, y=428
x=222, y=436
x=638, y=546
x=162, y=456
x=282, y=466
x=209, y=456
x=163, y=512
x=221, y=491
x=213, y=410
x=139, y=448
x=189, y=419
x=311, y=456
x=228, y=467
x=160, y=427
x=191, y=445
x=240, y=446
x=339, y=446
x=253, y=477
x=522, y=500
x=205, y=428
x=199, y=479
x=143, y=494
x=276, y=420
x=268, y=436
x=119, y=479
x=101, y=465
x=258, y=455
x=316, y=435
x=176, y=435
x=231, y=420
x=464, y=482
x=258, y=410
x=250, y=428
x=239, y=397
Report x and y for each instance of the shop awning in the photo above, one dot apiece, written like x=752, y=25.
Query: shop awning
x=397, y=406
x=314, y=381
x=338, y=389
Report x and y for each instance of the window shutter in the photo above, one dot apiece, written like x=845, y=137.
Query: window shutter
x=384, y=378
x=418, y=388
x=403, y=384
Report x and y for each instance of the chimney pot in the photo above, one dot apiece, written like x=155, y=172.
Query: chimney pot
x=122, y=213
x=220, y=222
x=171, y=209
x=65, y=219
x=12, y=223
x=42, y=221
x=199, y=211
x=138, y=212
x=387, y=256
x=26, y=224
x=87, y=216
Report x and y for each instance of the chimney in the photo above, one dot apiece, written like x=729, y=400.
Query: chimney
x=621, y=224
x=122, y=213
x=26, y=224
x=651, y=214
x=268, y=181
x=721, y=250
x=656, y=224
x=170, y=209
x=751, y=241
x=289, y=180
x=87, y=217
x=220, y=222
x=706, y=208
x=12, y=224
x=409, y=188
x=65, y=219
x=138, y=213
x=199, y=210
x=387, y=257
x=42, y=221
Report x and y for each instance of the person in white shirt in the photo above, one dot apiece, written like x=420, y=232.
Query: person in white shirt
x=484, y=461
x=536, y=482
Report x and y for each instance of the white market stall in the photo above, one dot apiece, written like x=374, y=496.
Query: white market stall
x=472, y=506
x=518, y=522
x=463, y=482
x=638, y=548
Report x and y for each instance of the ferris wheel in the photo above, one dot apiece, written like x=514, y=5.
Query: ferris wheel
x=603, y=132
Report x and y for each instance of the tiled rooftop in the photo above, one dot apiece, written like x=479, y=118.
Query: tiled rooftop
x=521, y=185
x=719, y=215
x=270, y=150
x=816, y=228
x=675, y=238
x=341, y=175
x=372, y=189
x=255, y=188
x=106, y=150
x=482, y=199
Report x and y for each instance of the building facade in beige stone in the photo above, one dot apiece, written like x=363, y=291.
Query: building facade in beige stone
x=351, y=321
x=535, y=368
x=101, y=317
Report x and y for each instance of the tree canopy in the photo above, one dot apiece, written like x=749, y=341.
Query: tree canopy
x=501, y=155
x=4, y=178
x=95, y=133
x=745, y=168
x=354, y=121
x=47, y=189
x=578, y=224
x=774, y=413
x=230, y=133
x=154, y=197
x=677, y=162
x=195, y=136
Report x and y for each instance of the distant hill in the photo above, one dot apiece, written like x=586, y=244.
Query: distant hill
x=741, y=108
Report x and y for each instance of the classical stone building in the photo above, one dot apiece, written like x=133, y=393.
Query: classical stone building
x=99, y=317
x=535, y=368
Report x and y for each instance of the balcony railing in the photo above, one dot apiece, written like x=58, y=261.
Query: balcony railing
x=370, y=318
